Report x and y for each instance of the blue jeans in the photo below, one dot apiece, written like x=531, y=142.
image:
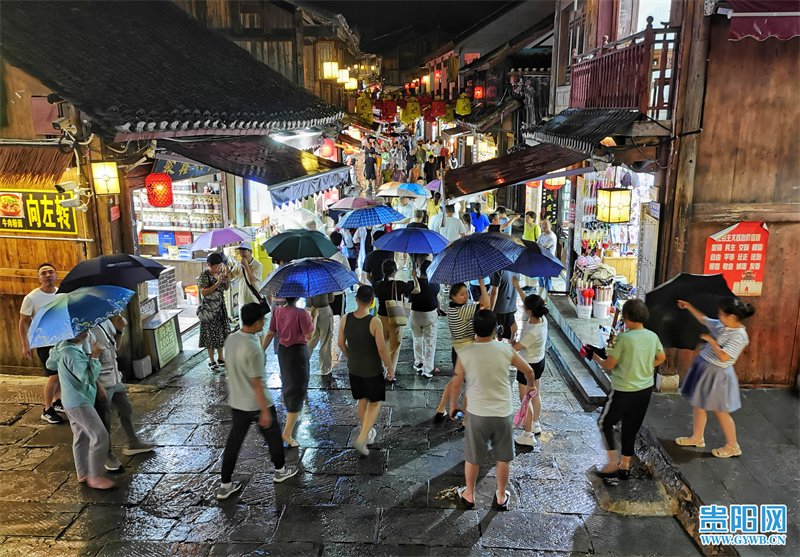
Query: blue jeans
x=546, y=283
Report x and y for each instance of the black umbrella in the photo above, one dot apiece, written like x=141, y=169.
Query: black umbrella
x=676, y=327
x=299, y=244
x=119, y=269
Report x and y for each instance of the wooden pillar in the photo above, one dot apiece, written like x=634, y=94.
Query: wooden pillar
x=297, y=48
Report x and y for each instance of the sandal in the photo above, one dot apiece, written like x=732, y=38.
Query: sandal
x=292, y=443
x=460, y=491
x=690, y=442
x=497, y=506
x=727, y=451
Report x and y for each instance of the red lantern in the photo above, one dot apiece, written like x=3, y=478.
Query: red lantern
x=427, y=116
x=437, y=74
x=478, y=93
x=389, y=110
x=401, y=103
x=378, y=104
x=159, y=190
x=438, y=108
x=408, y=86
x=535, y=184
x=555, y=183
x=327, y=149
x=425, y=101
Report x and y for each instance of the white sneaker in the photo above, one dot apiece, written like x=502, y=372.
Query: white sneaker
x=525, y=438
x=373, y=433
x=536, y=428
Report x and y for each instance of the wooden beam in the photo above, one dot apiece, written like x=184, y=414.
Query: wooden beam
x=258, y=34
x=734, y=212
x=647, y=129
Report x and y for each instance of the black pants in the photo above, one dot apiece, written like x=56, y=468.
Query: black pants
x=241, y=423
x=628, y=407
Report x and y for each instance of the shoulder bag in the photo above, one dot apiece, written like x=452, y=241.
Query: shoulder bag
x=397, y=310
x=207, y=309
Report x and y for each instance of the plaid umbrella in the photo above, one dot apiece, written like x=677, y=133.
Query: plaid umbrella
x=536, y=261
x=473, y=257
x=119, y=269
x=71, y=314
x=412, y=240
x=297, y=244
x=370, y=216
x=219, y=237
x=308, y=277
x=351, y=203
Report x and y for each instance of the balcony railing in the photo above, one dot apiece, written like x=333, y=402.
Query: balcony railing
x=635, y=73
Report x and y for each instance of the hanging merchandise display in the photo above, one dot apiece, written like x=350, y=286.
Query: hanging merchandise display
x=364, y=107
x=159, y=190
x=412, y=111
x=463, y=105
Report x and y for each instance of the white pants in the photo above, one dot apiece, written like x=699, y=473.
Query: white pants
x=423, y=327
x=323, y=334
x=89, y=441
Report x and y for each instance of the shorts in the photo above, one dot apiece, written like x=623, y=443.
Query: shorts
x=372, y=388
x=44, y=352
x=480, y=430
x=538, y=370
x=505, y=321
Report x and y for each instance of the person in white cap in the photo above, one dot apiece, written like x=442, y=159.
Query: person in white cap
x=248, y=270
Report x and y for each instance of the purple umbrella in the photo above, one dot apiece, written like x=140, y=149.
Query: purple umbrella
x=433, y=185
x=219, y=237
x=354, y=203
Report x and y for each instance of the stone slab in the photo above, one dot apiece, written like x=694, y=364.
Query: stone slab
x=382, y=491
x=537, y=531
x=614, y=534
x=321, y=523
x=447, y=527
x=33, y=519
x=344, y=462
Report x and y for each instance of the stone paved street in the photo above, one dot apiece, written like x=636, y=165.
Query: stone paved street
x=393, y=502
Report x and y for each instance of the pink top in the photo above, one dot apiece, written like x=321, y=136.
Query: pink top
x=291, y=325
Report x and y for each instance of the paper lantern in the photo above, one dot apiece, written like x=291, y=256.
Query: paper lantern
x=426, y=79
x=555, y=183
x=159, y=190
x=408, y=86
x=614, y=205
x=478, y=92
x=106, y=178
x=330, y=70
x=389, y=110
x=438, y=108
x=352, y=84
x=463, y=106
x=427, y=116
x=437, y=75
x=344, y=76
x=535, y=184
x=327, y=149
x=470, y=140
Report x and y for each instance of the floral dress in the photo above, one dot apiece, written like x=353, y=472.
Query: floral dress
x=214, y=333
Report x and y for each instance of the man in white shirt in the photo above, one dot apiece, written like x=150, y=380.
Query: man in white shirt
x=484, y=365
x=446, y=224
x=247, y=269
x=250, y=401
x=33, y=302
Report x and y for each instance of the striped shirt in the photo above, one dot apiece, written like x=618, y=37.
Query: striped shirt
x=731, y=340
x=460, y=321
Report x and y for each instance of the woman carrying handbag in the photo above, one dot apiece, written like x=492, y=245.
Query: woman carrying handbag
x=392, y=310
x=212, y=313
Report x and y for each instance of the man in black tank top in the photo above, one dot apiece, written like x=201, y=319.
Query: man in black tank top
x=361, y=342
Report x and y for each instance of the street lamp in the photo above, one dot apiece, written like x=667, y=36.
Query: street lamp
x=614, y=205
x=106, y=179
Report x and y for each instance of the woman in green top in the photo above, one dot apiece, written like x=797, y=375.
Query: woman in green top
x=532, y=230
x=631, y=360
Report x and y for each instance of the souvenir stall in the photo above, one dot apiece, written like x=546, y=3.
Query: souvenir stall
x=609, y=208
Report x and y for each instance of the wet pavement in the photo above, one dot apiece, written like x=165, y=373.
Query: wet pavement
x=394, y=502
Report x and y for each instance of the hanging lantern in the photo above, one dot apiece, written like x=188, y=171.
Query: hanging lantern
x=389, y=110
x=344, y=76
x=327, y=149
x=438, y=107
x=555, y=183
x=478, y=92
x=426, y=79
x=364, y=108
x=401, y=103
x=352, y=84
x=449, y=115
x=330, y=70
x=159, y=190
x=614, y=205
x=535, y=184
x=425, y=101
x=427, y=116
x=408, y=86
x=463, y=106
x=437, y=75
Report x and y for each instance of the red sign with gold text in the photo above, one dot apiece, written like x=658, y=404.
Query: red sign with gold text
x=739, y=252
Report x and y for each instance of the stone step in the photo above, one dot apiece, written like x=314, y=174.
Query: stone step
x=640, y=496
x=573, y=369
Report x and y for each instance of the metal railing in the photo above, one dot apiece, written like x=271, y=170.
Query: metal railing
x=634, y=73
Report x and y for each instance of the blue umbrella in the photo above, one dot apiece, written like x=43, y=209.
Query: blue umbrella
x=71, y=314
x=370, y=216
x=473, y=257
x=308, y=277
x=416, y=189
x=536, y=261
x=412, y=240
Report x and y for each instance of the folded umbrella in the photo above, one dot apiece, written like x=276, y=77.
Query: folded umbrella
x=676, y=327
x=219, y=237
x=370, y=216
x=412, y=240
x=473, y=257
x=411, y=187
x=433, y=185
x=297, y=244
x=351, y=203
x=71, y=314
x=309, y=277
x=119, y=269
x=536, y=261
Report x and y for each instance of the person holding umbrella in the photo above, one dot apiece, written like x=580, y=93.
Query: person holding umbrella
x=212, y=283
x=32, y=303
x=424, y=318
x=249, y=271
x=362, y=342
x=711, y=382
x=293, y=327
x=631, y=360
x=78, y=374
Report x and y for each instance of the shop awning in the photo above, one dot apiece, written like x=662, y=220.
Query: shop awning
x=584, y=128
x=484, y=116
x=762, y=19
x=520, y=166
x=289, y=173
x=32, y=166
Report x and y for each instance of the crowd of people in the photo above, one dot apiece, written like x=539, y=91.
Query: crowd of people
x=486, y=342
x=405, y=160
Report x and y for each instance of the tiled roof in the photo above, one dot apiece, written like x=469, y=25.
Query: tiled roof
x=488, y=114
x=145, y=66
x=583, y=128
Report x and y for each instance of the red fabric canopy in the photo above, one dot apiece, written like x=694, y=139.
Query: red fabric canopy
x=763, y=26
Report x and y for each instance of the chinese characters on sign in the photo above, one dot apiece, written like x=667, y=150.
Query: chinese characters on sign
x=182, y=170
x=550, y=206
x=36, y=211
x=739, y=252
